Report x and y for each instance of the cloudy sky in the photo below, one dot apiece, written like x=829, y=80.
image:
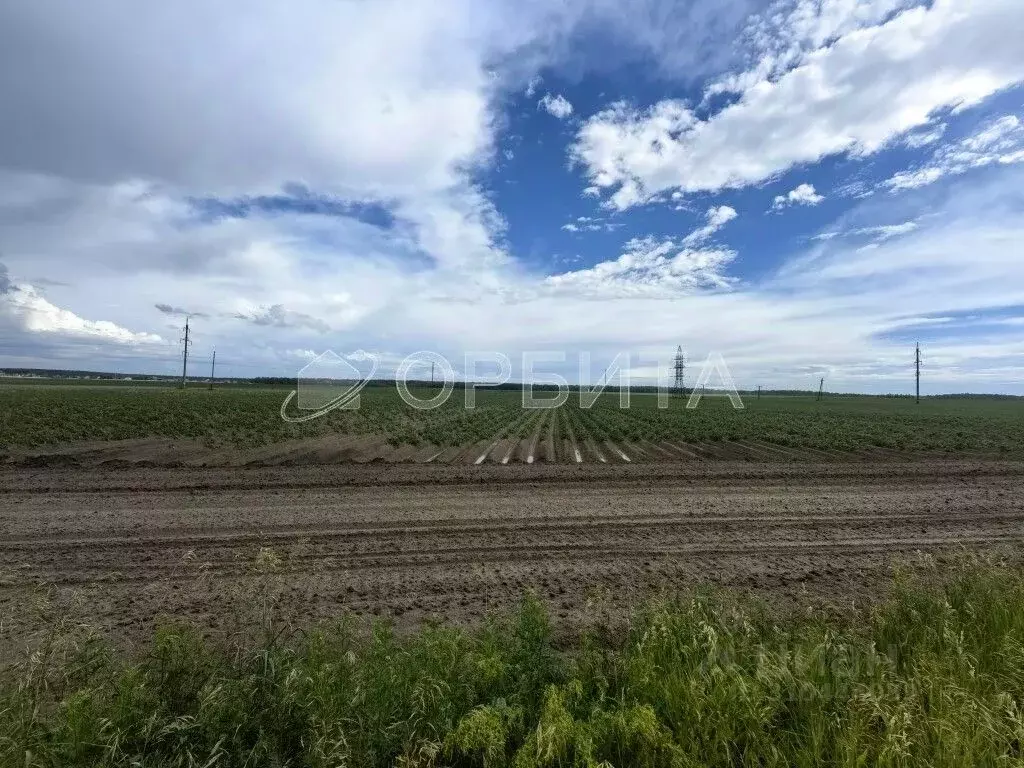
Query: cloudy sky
x=808, y=187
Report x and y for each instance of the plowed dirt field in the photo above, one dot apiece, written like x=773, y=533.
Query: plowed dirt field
x=119, y=548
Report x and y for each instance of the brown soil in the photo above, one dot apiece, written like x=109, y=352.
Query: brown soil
x=120, y=546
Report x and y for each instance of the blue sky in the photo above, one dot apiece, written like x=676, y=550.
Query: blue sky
x=807, y=187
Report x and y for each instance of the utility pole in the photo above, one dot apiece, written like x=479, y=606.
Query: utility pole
x=917, y=372
x=431, y=373
x=184, y=362
x=213, y=367
x=821, y=389
x=758, y=391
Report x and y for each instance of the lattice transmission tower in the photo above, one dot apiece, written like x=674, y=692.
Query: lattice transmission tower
x=680, y=369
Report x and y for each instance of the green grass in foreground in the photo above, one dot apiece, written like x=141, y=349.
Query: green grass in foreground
x=932, y=677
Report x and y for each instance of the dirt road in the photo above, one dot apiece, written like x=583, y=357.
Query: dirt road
x=121, y=548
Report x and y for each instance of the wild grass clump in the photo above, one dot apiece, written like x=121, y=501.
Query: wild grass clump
x=934, y=676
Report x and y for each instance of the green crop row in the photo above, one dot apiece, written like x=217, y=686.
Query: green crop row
x=41, y=415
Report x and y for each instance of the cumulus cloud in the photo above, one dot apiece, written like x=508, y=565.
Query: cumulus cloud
x=854, y=94
x=802, y=195
x=25, y=308
x=556, y=106
x=716, y=219
x=35, y=314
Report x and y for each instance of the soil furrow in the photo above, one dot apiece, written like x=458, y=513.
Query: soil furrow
x=119, y=549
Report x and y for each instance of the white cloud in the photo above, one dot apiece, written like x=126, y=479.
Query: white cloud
x=926, y=137
x=648, y=267
x=827, y=311
x=591, y=224
x=790, y=30
x=716, y=219
x=277, y=316
x=626, y=196
x=360, y=356
x=999, y=142
x=556, y=106
x=202, y=97
x=887, y=231
x=124, y=251
x=239, y=99
x=143, y=111
x=32, y=312
x=802, y=195
x=854, y=95
x=879, y=232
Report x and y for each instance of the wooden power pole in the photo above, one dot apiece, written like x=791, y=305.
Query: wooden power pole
x=213, y=367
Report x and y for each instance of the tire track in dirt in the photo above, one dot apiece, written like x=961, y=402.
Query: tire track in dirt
x=725, y=476
x=228, y=556
x=600, y=516
x=445, y=527
x=389, y=560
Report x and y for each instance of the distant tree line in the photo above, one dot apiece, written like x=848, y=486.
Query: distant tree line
x=289, y=381
x=47, y=373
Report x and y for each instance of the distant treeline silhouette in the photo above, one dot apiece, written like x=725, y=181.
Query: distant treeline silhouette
x=290, y=381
